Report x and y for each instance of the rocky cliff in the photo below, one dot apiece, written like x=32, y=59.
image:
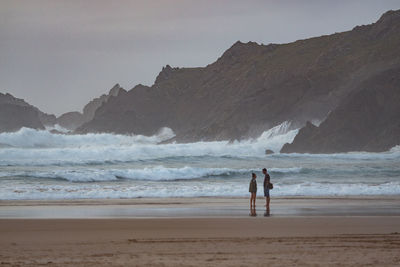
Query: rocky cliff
x=253, y=87
x=45, y=119
x=368, y=120
x=72, y=120
x=15, y=113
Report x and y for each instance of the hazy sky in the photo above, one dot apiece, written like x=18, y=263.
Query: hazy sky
x=58, y=55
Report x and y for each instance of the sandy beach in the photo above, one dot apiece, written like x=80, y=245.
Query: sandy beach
x=177, y=237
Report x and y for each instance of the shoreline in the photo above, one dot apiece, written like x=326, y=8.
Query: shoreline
x=209, y=207
x=177, y=199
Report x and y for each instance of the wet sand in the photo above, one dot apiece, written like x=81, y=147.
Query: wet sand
x=323, y=239
x=198, y=207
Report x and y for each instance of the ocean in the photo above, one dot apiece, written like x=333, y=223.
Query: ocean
x=36, y=164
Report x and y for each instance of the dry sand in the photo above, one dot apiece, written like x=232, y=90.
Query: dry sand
x=207, y=241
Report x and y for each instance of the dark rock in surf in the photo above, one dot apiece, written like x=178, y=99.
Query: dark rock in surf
x=269, y=152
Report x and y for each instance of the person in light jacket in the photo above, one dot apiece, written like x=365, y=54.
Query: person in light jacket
x=253, y=190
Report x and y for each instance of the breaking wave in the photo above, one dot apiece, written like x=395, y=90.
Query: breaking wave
x=195, y=189
x=30, y=147
x=158, y=173
x=31, y=138
x=58, y=128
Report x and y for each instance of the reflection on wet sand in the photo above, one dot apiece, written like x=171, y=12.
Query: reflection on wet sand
x=253, y=212
x=266, y=213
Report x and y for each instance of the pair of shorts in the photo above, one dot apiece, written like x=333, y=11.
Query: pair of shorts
x=266, y=192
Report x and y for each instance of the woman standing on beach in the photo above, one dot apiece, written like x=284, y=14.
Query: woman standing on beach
x=253, y=190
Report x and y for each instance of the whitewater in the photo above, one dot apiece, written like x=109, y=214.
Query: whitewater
x=38, y=164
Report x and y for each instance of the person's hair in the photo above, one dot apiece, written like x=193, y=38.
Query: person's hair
x=253, y=174
x=264, y=169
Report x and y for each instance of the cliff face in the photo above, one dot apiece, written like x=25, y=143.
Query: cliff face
x=368, y=120
x=45, y=119
x=91, y=107
x=72, y=120
x=252, y=87
x=15, y=113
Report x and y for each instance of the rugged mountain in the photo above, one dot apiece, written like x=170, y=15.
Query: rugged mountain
x=15, y=113
x=91, y=107
x=72, y=120
x=45, y=119
x=252, y=87
x=368, y=120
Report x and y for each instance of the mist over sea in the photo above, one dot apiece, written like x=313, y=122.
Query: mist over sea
x=40, y=165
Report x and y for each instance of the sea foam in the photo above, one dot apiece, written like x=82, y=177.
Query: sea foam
x=34, y=147
x=194, y=189
x=157, y=173
x=31, y=138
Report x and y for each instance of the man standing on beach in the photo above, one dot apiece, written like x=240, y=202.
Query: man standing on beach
x=267, y=181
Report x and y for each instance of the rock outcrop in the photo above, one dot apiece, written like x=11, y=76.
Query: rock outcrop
x=45, y=119
x=72, y=120
x=269, y=152
x=15, y=113
x=90, y=108
x=253, y=87
x=368, y=120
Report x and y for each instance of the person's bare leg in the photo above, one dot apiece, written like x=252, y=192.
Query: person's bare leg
x=268, y=200
x=252, y=200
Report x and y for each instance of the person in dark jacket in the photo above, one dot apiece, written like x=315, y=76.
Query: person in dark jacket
x=253, y=190
x=267, y=181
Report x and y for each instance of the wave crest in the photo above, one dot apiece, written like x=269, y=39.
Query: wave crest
x=31, y=138
x=158, y=173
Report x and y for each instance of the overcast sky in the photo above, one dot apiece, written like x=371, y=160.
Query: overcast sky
x=58, y=55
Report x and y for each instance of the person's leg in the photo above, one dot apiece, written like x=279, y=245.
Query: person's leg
x=268, y=200
x=253, y=200
x=266, y=195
